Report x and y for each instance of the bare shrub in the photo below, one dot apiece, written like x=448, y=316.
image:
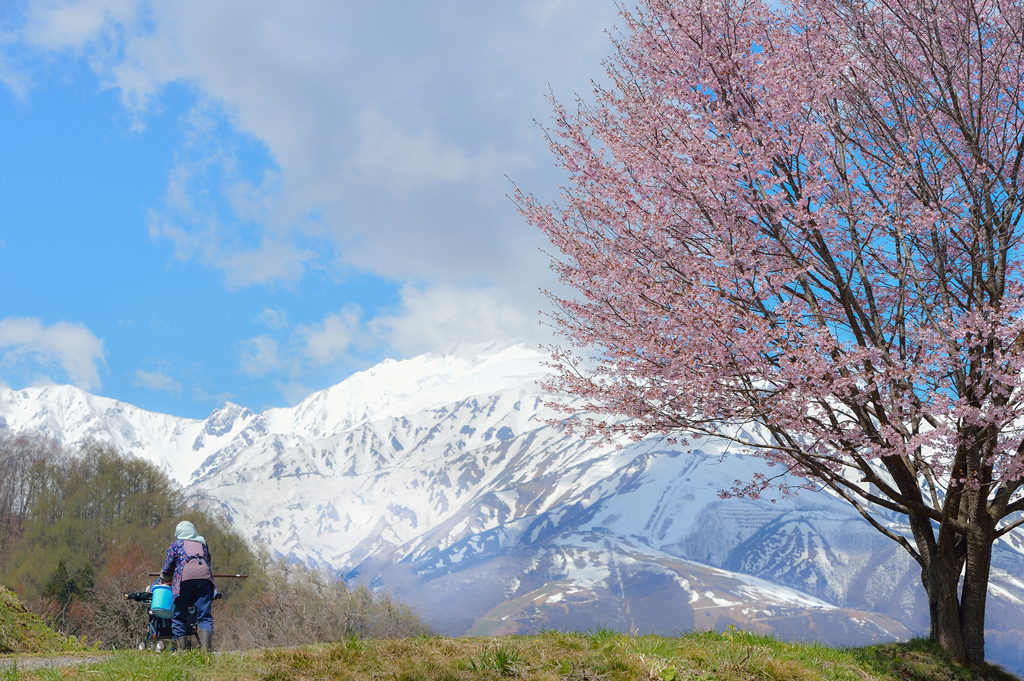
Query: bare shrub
x=295, y=605
x=101, y=614
x=51, y=611
x=107, y=617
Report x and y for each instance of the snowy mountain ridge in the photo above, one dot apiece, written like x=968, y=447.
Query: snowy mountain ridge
x=180, y=445
x=442, y=479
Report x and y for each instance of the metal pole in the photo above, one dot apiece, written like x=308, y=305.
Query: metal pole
x=157, y=574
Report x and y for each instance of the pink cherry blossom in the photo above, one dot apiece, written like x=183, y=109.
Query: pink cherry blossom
x=805, y=224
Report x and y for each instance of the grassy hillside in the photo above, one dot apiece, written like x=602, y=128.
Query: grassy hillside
x=554, y=656
x=22, y=633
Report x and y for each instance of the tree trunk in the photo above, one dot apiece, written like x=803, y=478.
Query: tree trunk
x=957, y=616
x=975, y=591
x=940, y=578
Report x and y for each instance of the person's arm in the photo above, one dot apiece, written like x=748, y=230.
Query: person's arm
x=167, y=571
x=206, y=557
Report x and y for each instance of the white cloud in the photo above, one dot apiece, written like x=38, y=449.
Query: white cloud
x=294, y=391
x=259, y=356
x=216, y=227
x=17, y=80
x=441, y=316
x=426, y=319
x=273, y=261
x=405, y=159
x=305, y=350
x=71, y=347
x=329, y=341
x=156, y=380
x=546, y=11
x=200, y=395
x=342, y=137
x=275, y=319
x=63, y=24
x=395, y=123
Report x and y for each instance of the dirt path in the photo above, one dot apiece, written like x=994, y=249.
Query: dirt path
x=31, y=663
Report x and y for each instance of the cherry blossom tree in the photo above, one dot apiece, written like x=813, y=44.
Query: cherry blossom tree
x=803, y=225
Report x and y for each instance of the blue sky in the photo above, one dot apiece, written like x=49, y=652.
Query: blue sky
x=248, y=201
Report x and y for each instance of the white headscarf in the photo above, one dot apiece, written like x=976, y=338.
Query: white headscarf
x=187, y=531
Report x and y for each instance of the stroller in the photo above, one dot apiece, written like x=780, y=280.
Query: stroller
x=159, y=637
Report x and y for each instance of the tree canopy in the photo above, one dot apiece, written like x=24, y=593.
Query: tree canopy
x=84, y=506
x=82, y=527
x=85, y=526
x=799, y=229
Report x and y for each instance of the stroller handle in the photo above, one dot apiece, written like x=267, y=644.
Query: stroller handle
x=147, y=597
x=218, y=576
x=141, y=596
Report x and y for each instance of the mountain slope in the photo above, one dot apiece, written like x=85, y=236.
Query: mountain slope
x=443, y=479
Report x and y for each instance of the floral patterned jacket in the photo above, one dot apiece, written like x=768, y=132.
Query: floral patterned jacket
x=176, y=559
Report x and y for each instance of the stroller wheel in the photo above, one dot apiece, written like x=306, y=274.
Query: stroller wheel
x=161, y=646
x=141, y=645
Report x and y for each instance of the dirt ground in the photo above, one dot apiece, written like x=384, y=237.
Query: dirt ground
x=30, y=662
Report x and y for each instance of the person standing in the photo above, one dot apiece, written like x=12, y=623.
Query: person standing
x=189, y=572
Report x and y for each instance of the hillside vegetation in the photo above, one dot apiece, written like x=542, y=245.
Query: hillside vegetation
x=81, y=527
x=69, y=514
x=23, y=632
x=561, y=656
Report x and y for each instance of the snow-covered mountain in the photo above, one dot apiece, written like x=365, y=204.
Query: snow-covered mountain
x=180, y=446
x=442, y=479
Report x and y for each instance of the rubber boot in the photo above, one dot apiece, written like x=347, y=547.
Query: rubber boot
x=206, y=640
x=181, y=643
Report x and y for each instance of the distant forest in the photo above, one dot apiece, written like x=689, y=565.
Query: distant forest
x=80, y=527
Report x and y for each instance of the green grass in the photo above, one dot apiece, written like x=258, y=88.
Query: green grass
x=598, y=655
x=22, y=632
